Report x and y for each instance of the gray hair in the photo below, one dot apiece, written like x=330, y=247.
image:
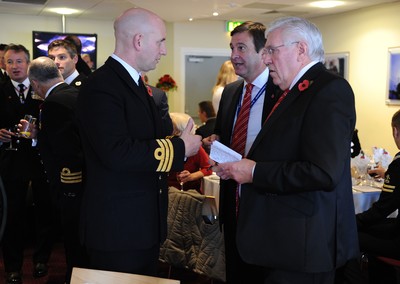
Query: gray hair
x=299, y=29
x=43, y=69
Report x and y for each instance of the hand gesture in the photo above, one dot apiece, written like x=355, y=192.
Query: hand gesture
x=192, y=142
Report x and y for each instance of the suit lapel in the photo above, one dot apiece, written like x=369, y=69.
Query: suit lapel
x=292, y=96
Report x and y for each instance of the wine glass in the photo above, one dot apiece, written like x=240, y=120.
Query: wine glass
x=14, y=139
x=179, y=180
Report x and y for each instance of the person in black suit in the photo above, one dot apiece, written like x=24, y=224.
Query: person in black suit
x=124, y=205
x=81, y=65
x=247, y=45
x=207, y=117
x=296, y=217
x=3, y=74
x=161, y=100
x=60, y=147
x=65, y=56
x=21, y=170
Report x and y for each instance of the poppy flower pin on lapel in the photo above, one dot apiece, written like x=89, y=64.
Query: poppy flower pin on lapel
x=304, y=85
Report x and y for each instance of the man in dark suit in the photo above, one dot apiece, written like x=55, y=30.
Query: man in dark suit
x=60, y=148
x=65, y=56
x=247, y=45
x=296, y=216
x=20, y=170
x=127, y=156
x=3, y=74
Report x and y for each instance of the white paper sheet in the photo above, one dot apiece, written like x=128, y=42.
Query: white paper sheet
x=222, y=154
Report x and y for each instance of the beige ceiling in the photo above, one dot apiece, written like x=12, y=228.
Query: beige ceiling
x=182, y=10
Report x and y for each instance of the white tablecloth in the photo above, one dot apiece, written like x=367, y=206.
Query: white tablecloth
x=362, y=200
x=210, y=187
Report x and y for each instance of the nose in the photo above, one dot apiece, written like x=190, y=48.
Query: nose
x=267, y=58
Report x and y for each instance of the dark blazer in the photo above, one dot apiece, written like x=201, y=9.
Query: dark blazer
x=298, y=214
x=24, y=163
x=78, y=81
x=125, y=198
x=59, y=142
x=161, y=100
x=224, y=126
x=206, y=129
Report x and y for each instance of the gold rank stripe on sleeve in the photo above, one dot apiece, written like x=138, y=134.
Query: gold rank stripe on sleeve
x=70, y=177
x=388, y=188
x=164, y=154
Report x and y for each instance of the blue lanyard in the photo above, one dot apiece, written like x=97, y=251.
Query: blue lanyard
x=253, y=101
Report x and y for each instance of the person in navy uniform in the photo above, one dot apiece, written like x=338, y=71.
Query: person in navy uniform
x=127, y=156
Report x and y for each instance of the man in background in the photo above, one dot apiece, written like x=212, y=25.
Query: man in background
x=65, y=56
x=127, y=156
x=207, y=118
x=81, y=65
x=3, y=74
x=248, y=101
x=60, y=147
x=22, y=170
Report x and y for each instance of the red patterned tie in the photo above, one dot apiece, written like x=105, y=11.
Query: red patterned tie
x=239, y=136
x=284, y=94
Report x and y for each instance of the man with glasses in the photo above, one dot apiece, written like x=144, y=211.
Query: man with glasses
x=22, y=169
x=256, y=93
x=297, y=215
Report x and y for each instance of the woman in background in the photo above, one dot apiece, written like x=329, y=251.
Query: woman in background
x=225, y=76
x=196, y=167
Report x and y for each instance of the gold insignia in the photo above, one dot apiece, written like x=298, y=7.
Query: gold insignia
x=68, y=177
x=78, y=83
x=164, y=154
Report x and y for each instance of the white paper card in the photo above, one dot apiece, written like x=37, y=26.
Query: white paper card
x=222, y=154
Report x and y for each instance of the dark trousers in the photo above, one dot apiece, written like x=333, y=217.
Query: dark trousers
x=13, y=239
x=143, y=262
x=75, y=253
x=275, y=276
x=237, y=271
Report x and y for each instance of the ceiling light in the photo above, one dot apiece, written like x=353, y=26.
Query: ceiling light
x=63, y=11
x=190, y=19
x=326, y=4
x=215, y=14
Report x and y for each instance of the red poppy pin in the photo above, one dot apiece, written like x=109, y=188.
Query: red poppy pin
x=150, y=91
x=304, y=85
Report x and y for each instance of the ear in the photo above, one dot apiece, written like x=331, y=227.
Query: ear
x=396, y=132
x=138, y=41
x=303, y=49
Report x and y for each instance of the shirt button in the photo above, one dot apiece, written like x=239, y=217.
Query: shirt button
x=160, y=177
x=160, y=191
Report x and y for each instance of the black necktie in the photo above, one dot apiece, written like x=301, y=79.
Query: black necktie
x=21, y=93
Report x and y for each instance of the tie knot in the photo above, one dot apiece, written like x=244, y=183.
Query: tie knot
x=249, y=88
x=21, y=88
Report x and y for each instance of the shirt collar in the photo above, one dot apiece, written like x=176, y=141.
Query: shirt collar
x=71, y=77
x=260, y=81
x=302, y=72
x=132, y=71
x=25, y=82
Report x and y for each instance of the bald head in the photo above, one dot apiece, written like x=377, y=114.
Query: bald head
x=139, y=33
x=43, y=74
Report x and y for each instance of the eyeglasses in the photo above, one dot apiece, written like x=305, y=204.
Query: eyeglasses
x=272, y=49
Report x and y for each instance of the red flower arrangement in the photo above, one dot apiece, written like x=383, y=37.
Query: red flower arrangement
x=304, y=85
x=166, y=83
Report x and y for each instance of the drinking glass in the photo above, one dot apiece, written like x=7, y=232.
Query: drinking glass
x=14, y=139
x=180, y=181
x=27, y=126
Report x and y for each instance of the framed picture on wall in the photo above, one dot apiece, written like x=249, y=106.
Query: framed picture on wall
x=338, y=63
x=393, y=83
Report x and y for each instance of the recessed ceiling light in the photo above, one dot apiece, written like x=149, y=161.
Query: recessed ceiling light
x=215, y=14
x=64, y=11
x=190, y=19
x=326, y=4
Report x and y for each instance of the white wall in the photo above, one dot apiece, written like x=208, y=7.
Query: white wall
x=366, y=34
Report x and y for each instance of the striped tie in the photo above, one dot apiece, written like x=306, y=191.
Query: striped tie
x=239, y=136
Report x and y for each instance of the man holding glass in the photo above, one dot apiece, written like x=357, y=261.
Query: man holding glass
x=21, y=169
